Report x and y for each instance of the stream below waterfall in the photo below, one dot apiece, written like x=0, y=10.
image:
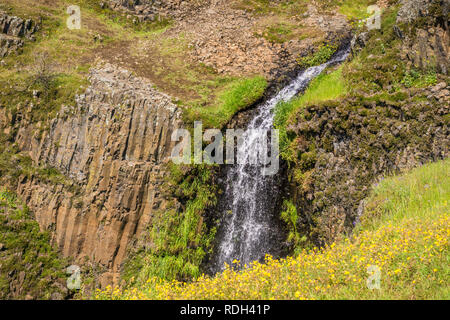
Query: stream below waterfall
x=249, y=207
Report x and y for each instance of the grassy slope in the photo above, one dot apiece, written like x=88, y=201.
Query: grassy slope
x=404, y=231
x=236, y=96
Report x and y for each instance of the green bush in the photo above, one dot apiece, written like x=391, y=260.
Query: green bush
x=26, y=250
x=320, y=56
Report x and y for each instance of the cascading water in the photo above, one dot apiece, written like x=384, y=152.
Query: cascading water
x=247, y=230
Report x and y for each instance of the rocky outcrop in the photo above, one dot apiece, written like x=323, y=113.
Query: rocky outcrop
x=411, y=10
x=29, y=267
x=238, y=47
x=113, y=146
x=426, y=41
x=149, y=10
x=231, y=40
x=13, y=30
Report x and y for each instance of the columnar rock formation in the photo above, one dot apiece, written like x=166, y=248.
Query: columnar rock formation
x=113, y=147
x=12, y=32
x=429, y=45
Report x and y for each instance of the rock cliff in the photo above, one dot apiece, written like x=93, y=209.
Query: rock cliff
x=426, y=42
x=113, y=145
x=13, y=30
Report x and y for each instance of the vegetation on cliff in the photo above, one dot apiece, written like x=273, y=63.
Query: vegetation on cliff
x=29, y=266
x=178, y=239
x=327, y=86
x=404, y=233
x=236, y=96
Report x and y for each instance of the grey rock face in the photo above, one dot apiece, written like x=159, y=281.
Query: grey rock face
x=410, y=10
x=147, y=10
x=13, y=30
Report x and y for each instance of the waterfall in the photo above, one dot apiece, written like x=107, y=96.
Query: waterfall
x=248, y=215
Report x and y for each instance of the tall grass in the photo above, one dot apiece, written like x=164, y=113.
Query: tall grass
x=325, y=87
x=421, y=194
x=179, y=237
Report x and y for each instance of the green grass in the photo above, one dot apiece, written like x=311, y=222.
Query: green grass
x=325, y=87
x=322, y=54
x=289, y=216
x=419, y=79
x=355, y=9
x=352, y=9
x=26, y=252
x=236, y=96
x=421, y=194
